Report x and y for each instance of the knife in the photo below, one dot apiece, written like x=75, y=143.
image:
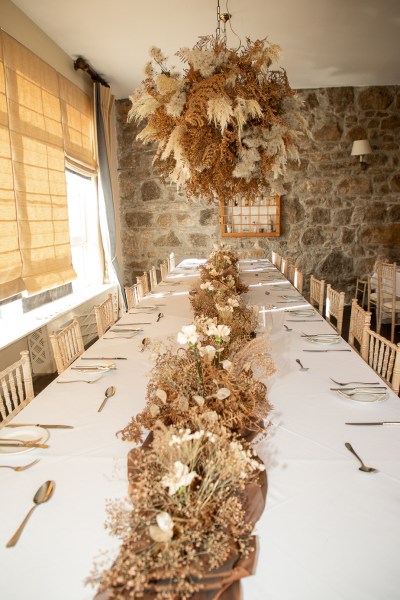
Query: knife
x=23, y=445
x=304, y=320
x=103, y=358
x=39, y=425
x=122, y=330
x=361, y=389
x=333, y=350
x=377, y=423
x=125, y=324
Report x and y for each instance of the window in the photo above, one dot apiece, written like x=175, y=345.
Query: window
x=84, y=230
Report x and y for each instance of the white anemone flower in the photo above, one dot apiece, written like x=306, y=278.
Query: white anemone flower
x=181, y=477
x=219, y=331
x=163, y=531
x=188, y=335
x=208, y=352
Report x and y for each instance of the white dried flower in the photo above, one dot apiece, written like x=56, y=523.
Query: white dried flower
x=181, y=477
x=188, y=335
x=222, y=393
x=162, y=395
x=199, y=400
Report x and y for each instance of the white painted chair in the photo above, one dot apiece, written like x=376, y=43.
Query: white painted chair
x=105, y=315
x=317, y=293
x=334, y=307
x=360, y=321
x=361, y=291
x=16, y=389
x=383, y=357
x=67, y=345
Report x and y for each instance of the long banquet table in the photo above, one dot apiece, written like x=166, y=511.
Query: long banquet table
x=329, y=531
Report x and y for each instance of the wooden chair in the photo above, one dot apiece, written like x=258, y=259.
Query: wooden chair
x=334, y=307
x=67, y=345
x=372, y=296
x=153, y=278
x=132, y=295
x=105, y=315
x=361, y=291
x=285, y=262
x=276, y=259
x=388, y=300
x=360, y=320
x=298, y=280
x=317, y=291
x=16, y=389
x=291, y=272
x=384, y=358
x=171, y=262
x=143, y=282
x=163, y=270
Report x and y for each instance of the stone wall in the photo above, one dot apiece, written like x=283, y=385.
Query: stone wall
x=335, y=217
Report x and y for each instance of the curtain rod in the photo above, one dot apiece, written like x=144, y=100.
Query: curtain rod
x=82, y=63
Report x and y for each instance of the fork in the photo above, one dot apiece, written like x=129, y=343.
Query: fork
x=79, y=381
x=356, y=382
x=22, y=468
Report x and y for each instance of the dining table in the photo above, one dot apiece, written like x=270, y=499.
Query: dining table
x=329, y=530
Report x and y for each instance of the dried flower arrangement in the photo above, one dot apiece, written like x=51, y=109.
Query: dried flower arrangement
x=197, y=380
x=191, y=513
x=226, y=127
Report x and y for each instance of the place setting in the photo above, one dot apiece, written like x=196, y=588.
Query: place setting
x=360, y=391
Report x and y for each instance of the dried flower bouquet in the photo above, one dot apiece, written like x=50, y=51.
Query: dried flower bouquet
x=227, y=126
x=195, y=495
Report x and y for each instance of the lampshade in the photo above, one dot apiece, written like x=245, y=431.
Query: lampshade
x=360, y=148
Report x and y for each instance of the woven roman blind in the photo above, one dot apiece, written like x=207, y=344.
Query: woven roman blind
x=43, y=119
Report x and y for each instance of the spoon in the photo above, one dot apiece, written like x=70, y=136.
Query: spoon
x=160, y=316
x=301, y=366
x=22, y=467
x=287, y=328
x=145, y=343
x=363, y=467
x=43, y=494
x=109, y=392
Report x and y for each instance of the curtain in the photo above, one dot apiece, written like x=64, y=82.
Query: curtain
x=10, y=257
x=104, y=106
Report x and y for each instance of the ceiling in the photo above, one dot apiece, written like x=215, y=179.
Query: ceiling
x=325, y=43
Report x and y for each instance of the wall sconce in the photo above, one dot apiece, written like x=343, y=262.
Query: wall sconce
x=361, y=148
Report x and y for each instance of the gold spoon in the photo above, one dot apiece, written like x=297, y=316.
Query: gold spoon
x=43, y=494
x=145, y=343
x=109, y=392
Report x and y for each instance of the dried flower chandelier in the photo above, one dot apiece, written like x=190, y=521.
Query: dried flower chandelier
x=226, y=127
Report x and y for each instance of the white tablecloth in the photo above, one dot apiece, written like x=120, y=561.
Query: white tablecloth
x=328, y=532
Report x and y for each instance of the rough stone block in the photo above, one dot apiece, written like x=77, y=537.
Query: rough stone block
x=168, y=240
x=376, y=98
x=164, y=220
x=150, y=190
x=330, y=132
x=139, y=219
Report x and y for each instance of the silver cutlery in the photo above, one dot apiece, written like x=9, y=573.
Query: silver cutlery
x=125, y=330
x=363, y=467
x=103, y=358
x=359, y=382
x=22, y=467
x=120, y=337
x=330, y=350
x=90, y=369
x=14, y=443
x=39, y=425
x=304, y=320
x=160, y=316
x=323, y=335
x=126, y=324
x=376, y=423
x=108, y=393
x=287, y=328
x=43, y=494
x=301, y=366
x=78, y=380
x=145, y=343
x=360, y=389
x=364, y=392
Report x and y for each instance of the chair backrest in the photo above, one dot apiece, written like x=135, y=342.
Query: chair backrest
x=153, y=278
x=360, y=293
x=372, y=297
x=334, y=307
x=276, y=259
x=132, y=295
x=388, y=303
x=285, y=262
x=291, y=272
x=105, y=315
x=16, y=389
x=144, y=281
x=317, y=291
x=171, y=262
x=298, y=280
x=360, y=320
x=163, y=270
x=67, y=345
x=384, y=357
